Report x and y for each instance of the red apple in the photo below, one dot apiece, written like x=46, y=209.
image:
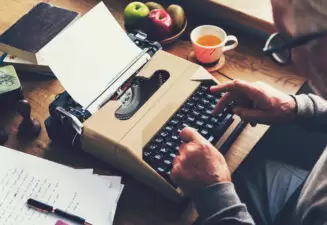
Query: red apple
x=160, y=24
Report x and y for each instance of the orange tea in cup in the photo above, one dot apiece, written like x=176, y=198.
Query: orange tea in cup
x=208, y=40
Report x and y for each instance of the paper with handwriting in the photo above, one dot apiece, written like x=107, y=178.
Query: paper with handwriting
x=23, y=176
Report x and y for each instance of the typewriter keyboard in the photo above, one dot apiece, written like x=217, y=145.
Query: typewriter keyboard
x=161, y=150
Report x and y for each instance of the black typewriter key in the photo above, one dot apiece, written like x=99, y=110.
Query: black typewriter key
x=205, y=101
x=147, y=154
x=227, y=117
x=199, y=123
x=204, y=132
x=190, y=119
x=210, y=96
x=174, y=121
x=169, y=128
x=209, y=126
x=185, y=125
x=180, y=116
x=204, y=88
x=152, y=147
x=221, y=117
x=172, y=155
x=185, y=110
x=159, y=140
x=158, y=156
x=204, y=117
x=209, y=112
x=190, y=104
x=169, y=144
x=167, y=162
x=214, y=120
x=200, y=107
x=163, y=133
x=163, y=150
x=175, y=137
x=210, y=139
x=212, y=106
x=161, y=169
x=200, y=93
x=195, y=98
x=195, y=113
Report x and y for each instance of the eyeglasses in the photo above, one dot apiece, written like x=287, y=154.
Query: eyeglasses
x=279, y=47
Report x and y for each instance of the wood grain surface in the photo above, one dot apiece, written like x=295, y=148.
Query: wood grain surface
x=139, y=204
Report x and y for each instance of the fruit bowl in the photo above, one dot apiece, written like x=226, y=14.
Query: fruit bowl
x=161, y=24
x=175, y=36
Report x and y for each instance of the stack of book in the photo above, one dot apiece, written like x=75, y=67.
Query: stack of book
x=24, y=39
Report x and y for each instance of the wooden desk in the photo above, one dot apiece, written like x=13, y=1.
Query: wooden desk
x=139, y=204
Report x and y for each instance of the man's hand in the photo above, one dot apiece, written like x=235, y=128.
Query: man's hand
x=256, y=103
x=199, y=164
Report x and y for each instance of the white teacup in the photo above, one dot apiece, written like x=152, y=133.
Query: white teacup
x=210, y=54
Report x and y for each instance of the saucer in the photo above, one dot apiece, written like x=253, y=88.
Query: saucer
x=210, y=67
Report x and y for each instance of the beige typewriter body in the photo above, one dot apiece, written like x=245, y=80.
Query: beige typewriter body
x=121, y=142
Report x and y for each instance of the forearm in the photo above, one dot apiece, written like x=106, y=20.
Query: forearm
x=220, y=204
x=311, y=112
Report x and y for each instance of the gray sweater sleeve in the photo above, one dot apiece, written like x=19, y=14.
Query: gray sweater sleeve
x=311, y=112
x=219, y=204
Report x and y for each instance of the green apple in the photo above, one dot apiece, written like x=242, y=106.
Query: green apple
x=135, y=14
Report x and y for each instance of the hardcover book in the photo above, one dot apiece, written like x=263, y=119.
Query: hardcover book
x=34, y=30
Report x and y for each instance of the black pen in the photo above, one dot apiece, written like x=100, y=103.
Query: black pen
x=42, y=207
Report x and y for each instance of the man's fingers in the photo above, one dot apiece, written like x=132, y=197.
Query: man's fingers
x=237, y=85
x=223, y=101
x=251, y=115
x=175, y=171
x=189, y=134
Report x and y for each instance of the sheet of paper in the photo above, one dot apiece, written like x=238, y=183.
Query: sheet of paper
x=89, y=54
x=113, y=182
x=24, y=176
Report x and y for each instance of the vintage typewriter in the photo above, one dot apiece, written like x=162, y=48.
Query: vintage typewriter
x=137, y=129
x=132, y=121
